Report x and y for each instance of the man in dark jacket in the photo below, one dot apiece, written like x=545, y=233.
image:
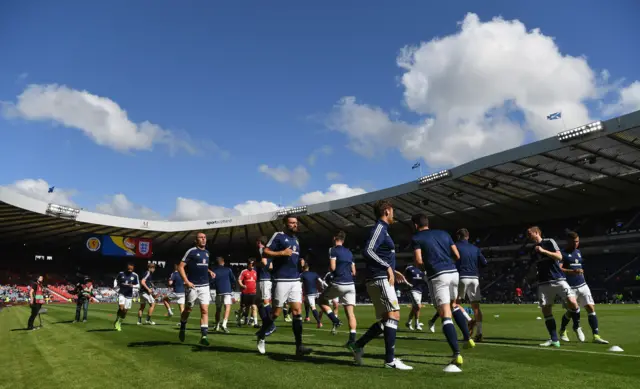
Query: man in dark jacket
x=84, y=290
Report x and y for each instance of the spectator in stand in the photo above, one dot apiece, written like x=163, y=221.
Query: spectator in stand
x=84, y=290
x=36, y=299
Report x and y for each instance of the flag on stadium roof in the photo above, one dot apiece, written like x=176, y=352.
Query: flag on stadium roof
x=51, y=189
x=416, y=165
x=554, y=116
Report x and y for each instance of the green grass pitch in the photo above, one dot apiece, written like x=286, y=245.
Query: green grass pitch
x=92, y=355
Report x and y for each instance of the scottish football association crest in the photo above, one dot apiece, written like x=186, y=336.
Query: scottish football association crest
x=143, y=247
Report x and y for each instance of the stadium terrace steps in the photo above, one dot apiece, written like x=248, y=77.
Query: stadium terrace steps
x=60, y=294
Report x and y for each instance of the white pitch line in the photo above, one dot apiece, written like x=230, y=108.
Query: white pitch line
x=524, y=347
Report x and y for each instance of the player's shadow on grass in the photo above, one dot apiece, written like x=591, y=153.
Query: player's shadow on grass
x=63, y=322
x=492, y=339
x=20, y=329
x=102, y=330
x=280, y=357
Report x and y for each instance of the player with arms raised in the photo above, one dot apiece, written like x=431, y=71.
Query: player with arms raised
x=194, y=271
x=551, y=283
x=284, y=250
x=572, y=267
x=380, y=257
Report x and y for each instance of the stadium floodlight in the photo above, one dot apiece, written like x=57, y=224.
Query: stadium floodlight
x=62, y=211
x=580, y=131
x=292, y=211
x=434, y=177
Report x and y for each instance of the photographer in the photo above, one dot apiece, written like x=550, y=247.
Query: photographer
x=36, y=299
x=84, y=290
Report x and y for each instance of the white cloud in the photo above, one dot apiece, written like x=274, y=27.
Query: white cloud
x=99, y=118
x=313, y=157
x=38, y=189
x=332, y=176
x=120, y=205
x=628, y=100
x=190, y=209
x=297, y=177
x=466, y=87
x=336, y=191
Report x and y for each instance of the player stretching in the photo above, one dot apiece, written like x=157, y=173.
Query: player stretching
x=195, y=273
x=310, y=280
x=147, y=295
x=434, y=253
x=126, y=281
x=470, y=259
x=380, y=256
x=551, y=283
x=247, y=282
x=225, y=283
x=177, y=284
x=416, y=277
x=264, y=281
x=342, y=287
x=284, y=249
x=572, y=267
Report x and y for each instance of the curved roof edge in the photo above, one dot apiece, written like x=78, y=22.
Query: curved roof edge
x=38, y=206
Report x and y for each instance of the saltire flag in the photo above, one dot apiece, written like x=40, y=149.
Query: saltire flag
x=554, y=116
x=415, y=165
x=51, y=189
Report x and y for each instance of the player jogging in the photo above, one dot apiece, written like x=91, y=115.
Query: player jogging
x=264, y=266
x=572, y=268
x=177, y=284
x=471, y=259
x=341, y=286
x=195, y=273
x=225, y=283
x=310, y=280
x=380, y=256
x=284, y=250
x=418, y=286
x=146, y=284
x=434, y=252
x=248, y=282
x=551, y=283
x=126, y=282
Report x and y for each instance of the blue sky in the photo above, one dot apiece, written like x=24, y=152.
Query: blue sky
x=237, y=85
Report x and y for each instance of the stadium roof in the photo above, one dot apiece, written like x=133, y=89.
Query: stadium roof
x=571, y=174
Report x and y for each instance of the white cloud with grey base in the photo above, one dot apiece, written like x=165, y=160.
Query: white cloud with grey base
x=467, y=87
x=297, y=177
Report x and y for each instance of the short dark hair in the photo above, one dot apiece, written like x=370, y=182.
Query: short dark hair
x=286, y=218
x=219, y=259
x=340, y=235
x=421, y=220
x=572, y=235
x=380, y=206
x=263, y=239
x=462, y=233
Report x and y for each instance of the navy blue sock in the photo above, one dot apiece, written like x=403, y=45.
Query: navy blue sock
x=183, y=325
x=390, y=328
x=593, y=322
x=332, y=317
x=462, y=323
x=450, y=334
x=435, y=317
x=550, y=322
x=565, y=321
x=262, y=312
x=285, y=311
x=266, y=324
x=268, y=310
x=204, y=329
x=139, y=319
x=297, y=329
x=316, y=316
x=576, y=318
x=148, y=317
x=372, y=332
x=352, y=336
x=306, y=311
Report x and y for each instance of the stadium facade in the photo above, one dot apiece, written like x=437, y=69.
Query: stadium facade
x=589, y=170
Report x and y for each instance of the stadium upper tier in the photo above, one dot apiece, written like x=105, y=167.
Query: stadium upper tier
x=594, y=168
